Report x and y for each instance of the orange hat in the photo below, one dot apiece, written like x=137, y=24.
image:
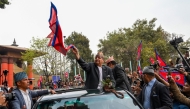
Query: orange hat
x=109, y=59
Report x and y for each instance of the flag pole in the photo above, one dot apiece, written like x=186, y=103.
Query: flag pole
x=60, y=67
x=84, y=76
x=130, y=66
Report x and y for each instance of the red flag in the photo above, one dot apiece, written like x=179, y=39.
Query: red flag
x=50, y=35
x=139, y=49
x=139, y=70
x=41, y=79
x=51, y=38
x=66, y=74
x=178, y=77
x=151, y=60
x=39, y=83
x=159, y=59
x=57, y=40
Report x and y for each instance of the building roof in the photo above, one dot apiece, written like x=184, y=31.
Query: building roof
x=3, y=47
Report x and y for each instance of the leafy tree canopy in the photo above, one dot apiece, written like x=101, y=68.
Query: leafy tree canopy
x=123, y=43
x=3, y=3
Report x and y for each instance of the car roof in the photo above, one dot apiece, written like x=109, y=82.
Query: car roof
x=73, y=93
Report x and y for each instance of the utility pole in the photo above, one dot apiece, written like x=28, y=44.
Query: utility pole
x=55, y=67
x=61, y=67
x=64, y=68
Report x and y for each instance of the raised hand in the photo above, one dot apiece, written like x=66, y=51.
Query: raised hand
x=76, y=52
x=170, y=79
x=52, y=92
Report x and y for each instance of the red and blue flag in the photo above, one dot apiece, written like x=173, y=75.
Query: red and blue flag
x=56, y=37
x=178, y=77
x=159, y=59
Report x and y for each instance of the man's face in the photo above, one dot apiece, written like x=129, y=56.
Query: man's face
x=134, y=75
x=186, y=88
x=127, y=69
x=24, y=83
x=144, y=76
x=99, y=59
x=187, y=54
x=110, y=65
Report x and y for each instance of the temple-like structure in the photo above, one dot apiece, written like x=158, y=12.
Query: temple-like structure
x=10, y=60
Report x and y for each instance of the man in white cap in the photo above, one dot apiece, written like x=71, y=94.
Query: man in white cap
x=154, y=94
x=23, y=96
x=118, y=74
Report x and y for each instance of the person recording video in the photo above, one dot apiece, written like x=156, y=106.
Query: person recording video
x=186, y=57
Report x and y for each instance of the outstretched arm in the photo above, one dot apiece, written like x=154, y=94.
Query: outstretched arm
x=177, y=94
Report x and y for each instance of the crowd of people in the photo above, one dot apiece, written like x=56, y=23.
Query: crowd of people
x=68, y=84
x=150, y=89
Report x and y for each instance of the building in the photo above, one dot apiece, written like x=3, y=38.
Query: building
x=10, y=60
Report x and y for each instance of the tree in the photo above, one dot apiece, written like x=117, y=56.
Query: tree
x=3, y=3
x=122, y=44
x=45, y=60
x=82, y=43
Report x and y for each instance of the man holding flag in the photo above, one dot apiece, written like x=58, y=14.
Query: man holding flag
x=95, y=71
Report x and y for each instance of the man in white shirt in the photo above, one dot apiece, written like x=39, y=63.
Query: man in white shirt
x=95, y=71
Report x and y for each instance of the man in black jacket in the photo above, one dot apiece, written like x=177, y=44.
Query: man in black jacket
x=154, y=94
x=95, y=71
x=119, y=74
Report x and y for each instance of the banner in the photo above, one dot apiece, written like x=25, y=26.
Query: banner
x=178, y=77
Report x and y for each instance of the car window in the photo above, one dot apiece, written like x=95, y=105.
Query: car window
x=107, y=101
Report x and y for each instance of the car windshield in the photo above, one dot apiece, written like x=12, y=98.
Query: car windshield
x=106, y=101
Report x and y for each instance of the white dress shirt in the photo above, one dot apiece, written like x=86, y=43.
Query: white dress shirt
x=100, y=77
x=26, y=99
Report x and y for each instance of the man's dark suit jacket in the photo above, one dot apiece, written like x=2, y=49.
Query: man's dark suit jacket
x=159, y=97
x=92, y=74
x=3, y=107
x=19, y=102
x=121, y=78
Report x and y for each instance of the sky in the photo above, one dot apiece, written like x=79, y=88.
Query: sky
x=24, y=19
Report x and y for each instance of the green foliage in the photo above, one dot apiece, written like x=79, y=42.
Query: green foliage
x=123, y=43
x=106, y=82
x=82, y=43
x=45, y=60
x=3, y=3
